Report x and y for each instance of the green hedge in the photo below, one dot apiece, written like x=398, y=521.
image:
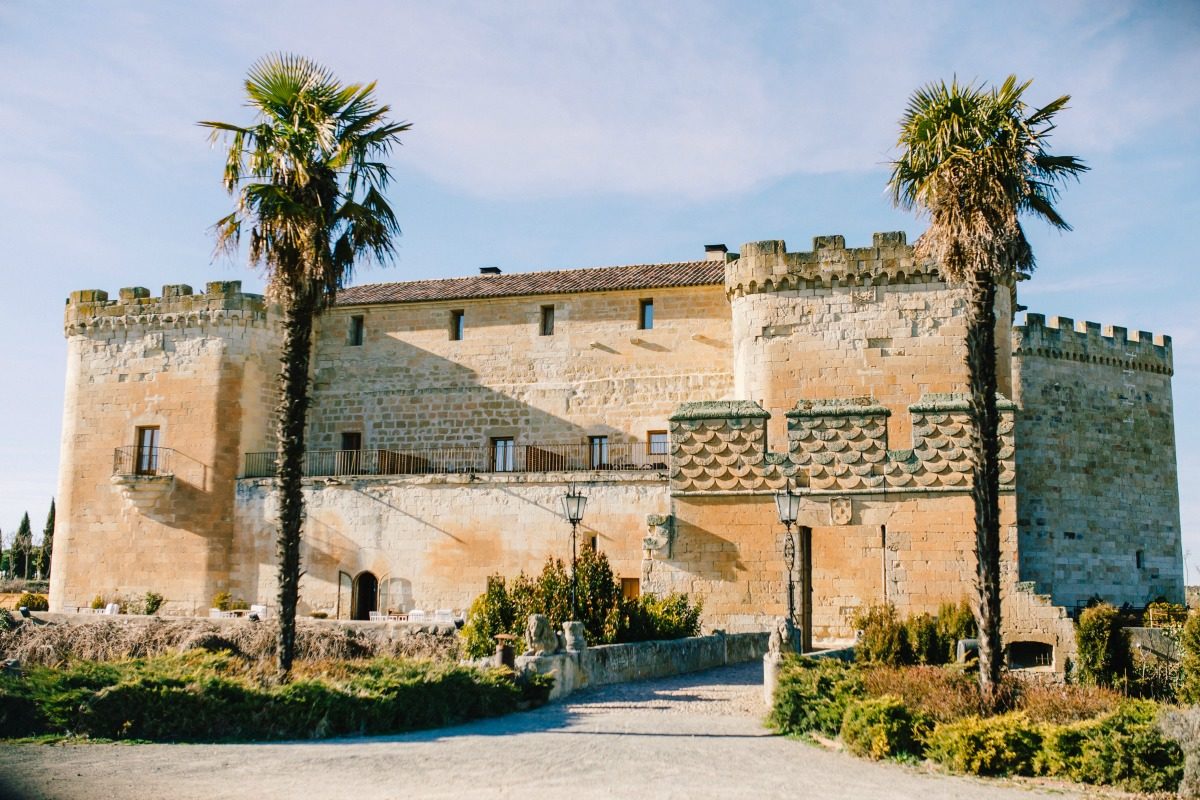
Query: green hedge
x=1124, y=748
x=208, y=697
x=1005, y=745
x=883, y=727
x=1103, y=647
x=920, y=639
x=813, y=694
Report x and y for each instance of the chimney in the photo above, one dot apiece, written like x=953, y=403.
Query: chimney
x=489, y=270
x=715, y=252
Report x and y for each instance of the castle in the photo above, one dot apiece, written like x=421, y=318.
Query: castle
x=450, y=416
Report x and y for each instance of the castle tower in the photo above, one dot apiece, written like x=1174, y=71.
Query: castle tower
x=1097, y=488
x=849, y=322
x=164, y=395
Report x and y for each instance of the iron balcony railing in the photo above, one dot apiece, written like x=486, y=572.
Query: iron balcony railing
x=135, y=460
x=501, y=457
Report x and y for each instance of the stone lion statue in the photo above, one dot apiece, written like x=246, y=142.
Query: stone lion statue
x=540, y=638
x=783, y=637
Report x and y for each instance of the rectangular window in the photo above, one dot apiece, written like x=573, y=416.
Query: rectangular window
x=646, y=314
x=594, y=542
x=457, y=326
x=147, y=451
x=630, y=588
x=1139, y=558
x=547, y=320
x=658, y=443
x=355, y=336
x=352, y=440
x=598, y=452
x=503, y=449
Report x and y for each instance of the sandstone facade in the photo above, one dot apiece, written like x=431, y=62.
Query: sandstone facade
x=448, y=417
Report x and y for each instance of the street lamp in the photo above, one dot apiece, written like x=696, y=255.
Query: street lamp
x=788, y=505
x=573, y=504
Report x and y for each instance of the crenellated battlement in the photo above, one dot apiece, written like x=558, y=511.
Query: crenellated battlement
x=834, y=446
x=222, y=303
x=1089, y=342
x=767, y=266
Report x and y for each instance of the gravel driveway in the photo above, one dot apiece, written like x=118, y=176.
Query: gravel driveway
x=694, y=736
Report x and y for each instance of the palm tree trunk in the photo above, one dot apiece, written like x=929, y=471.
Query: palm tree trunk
x=985, y=489
x=292, y=414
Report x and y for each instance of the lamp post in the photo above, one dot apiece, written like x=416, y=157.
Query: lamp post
x=574, y=501
x=787, y=504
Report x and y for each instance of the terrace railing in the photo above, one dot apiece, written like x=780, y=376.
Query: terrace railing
x=451, y=460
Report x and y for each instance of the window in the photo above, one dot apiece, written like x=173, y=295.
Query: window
x=147, y=451
x=503, y=449
x=593, y=542
x=1139, y=558
x=630, y=588
x=547, y=320
x=456, y=325
x=646, y=314
x=658, y=443
x=597, y=452
x=355, y=336
x=352, y=440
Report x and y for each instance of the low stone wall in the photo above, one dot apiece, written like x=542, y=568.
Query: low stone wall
x=1154, y=643
x=617, y=663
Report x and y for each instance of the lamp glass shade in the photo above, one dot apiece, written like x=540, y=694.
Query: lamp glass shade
x=788, y=506
x=573, y=505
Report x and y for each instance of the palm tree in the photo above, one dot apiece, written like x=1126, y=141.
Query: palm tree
x=974, y=160
x=308, y=179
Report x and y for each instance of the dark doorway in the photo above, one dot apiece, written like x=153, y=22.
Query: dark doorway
x=804, y=534
x=366, y=596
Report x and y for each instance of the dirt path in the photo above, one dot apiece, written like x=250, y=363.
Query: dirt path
x=695, y=736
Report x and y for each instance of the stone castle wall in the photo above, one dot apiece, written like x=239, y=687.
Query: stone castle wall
x=844, y=322
x=195, y=365
x=1097, y=481
x=409, y=384
x=435, y=539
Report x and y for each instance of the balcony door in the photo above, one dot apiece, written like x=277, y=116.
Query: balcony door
x=146, y=462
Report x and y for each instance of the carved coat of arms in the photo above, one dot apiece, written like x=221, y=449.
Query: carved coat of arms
x=841, y=510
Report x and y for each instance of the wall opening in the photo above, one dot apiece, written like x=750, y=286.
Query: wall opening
x=1026, y=655
x=366, y=596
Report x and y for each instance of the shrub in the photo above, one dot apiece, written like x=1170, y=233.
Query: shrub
x=203, y=697
x=941, y=694
x=1103, y=646
x=649, y=617
x=1065, y=703
x=883, y=640
x=1002, y=745
x=955, y=621
x=491, y=613
x=924, y=644
x=34, y=602
x=98, y=602
x=1124, y=748
x=883, y=727
x=7, y=621
x=1164, y=614
x=152, y=602
x=812, y=695
x=1189, y=645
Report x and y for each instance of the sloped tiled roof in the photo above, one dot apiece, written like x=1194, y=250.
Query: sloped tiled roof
x=595, y=279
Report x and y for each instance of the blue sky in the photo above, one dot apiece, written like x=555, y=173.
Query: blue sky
x=548, y=135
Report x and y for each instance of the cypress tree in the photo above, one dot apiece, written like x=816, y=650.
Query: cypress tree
x=47, y=548
x=22, y=544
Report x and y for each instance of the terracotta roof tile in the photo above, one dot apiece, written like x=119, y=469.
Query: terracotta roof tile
x=595, y=279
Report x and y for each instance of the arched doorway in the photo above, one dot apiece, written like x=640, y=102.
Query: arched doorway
x=366, y=596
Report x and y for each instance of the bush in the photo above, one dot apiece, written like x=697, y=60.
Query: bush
x=955, y=621
x=651, y=617
x=1123, y=748
x=1003, y=745
x=1065, y=703
x=98, y=602
x=606, y=616
x=1103, y=647
x=883, y=727
x=152, y=602
x=206, y=697
x=1164, y=614
x=924, y=643
x=812, y=695
x=941, y=694
x=883, y=640
x=34, y=602
x=1189, y=645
